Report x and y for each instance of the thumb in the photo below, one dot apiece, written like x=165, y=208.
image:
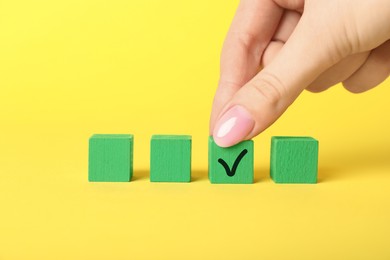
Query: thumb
x=261, y=101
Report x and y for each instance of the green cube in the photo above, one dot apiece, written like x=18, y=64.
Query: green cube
x=231, y=165
x=294, y=159
x=110, y=158
x=170, y=158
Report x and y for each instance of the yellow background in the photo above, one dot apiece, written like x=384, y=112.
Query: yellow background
x=72, y=68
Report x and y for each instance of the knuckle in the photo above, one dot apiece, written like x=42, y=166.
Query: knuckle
x=354, y=88
x=316, y=89
x=270, y=88
x=248, y=41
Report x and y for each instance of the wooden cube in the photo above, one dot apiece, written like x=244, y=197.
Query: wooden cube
x=294, y=159
x=231, y=165
x=170, y=158
x=110, y=158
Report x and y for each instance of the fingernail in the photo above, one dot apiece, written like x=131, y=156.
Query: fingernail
x=233, y=126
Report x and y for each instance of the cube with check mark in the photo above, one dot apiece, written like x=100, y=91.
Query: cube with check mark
x=231, y=165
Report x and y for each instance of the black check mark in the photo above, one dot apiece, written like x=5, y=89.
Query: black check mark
x=232, y=172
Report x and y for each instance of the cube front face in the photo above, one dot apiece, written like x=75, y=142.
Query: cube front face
x=231, y=165
x=294, y=159
x=110, y=158
x=170, y=158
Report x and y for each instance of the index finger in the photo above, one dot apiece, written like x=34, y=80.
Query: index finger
x=252, y=29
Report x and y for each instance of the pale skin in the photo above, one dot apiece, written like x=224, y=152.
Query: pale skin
x=275, y=49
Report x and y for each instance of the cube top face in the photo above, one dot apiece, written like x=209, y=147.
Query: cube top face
x=170, y=158
x=112, y=136
x=231, y=165
x=293, y=139
x=171, y=137
x=294, y=159
x=110, y=158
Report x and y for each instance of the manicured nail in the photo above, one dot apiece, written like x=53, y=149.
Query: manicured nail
x=233, y=126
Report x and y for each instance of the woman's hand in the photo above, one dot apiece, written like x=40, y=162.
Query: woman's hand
x=277, y=48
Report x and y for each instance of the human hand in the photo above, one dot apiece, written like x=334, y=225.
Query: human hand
x=277, y=48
